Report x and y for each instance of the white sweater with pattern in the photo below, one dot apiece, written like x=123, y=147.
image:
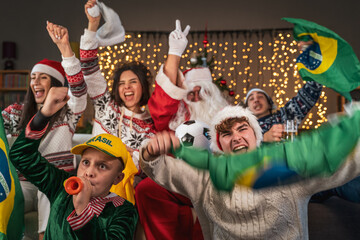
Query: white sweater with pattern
x=56, y=145
x=244, y=213
x=109, y=116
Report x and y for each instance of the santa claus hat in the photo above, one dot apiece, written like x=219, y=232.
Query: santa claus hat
x=198, y=76
x=50, y=67
x=234, y=112
x=271, y=102
x=112, y=31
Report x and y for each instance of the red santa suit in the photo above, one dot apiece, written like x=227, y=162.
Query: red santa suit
x=164, y=214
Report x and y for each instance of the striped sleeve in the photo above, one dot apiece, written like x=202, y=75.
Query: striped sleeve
x=95, y=81
x=89, y=61
x=34, y=134
x=78, y=221
x=74, y=75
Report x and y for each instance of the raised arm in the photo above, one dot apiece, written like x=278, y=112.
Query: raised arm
x=60, y=36
x=301, y=104
x=177, y=45
x=305, y=99
x=93, y=20
x=90, y=68
x=168, y=91
x=78, y=89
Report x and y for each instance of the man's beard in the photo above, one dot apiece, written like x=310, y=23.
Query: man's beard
x=201, y=111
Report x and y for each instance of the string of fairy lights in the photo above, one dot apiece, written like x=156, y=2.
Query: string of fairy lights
x=244, y=59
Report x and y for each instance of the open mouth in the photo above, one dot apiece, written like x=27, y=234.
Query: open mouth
x=128, y=95
x=240, y=149
x=39, y=93
x=257, y=107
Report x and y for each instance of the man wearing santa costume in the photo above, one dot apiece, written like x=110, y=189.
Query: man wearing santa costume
x=177, y=97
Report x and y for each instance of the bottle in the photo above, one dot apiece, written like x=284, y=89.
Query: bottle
x=73, y=185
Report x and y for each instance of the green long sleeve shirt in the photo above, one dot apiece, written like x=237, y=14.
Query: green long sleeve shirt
x=115, y=221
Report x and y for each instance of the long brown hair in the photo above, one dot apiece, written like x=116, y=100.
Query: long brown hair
x=30, y=107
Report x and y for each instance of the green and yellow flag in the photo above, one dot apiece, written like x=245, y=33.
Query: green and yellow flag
x=11, y=197
x=330, y=61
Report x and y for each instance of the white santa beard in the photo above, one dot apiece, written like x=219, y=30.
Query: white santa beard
x=203, y=110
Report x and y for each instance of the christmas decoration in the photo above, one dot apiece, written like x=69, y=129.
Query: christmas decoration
x=244, y=58
x=201, y=60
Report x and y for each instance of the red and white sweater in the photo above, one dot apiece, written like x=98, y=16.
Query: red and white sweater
x=56, y=145
x=109, y=116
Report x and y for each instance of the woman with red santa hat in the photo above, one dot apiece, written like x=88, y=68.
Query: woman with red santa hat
x=56, y=145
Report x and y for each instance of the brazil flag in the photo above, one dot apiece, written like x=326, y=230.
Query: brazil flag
x=11, y=197
x=330, y=61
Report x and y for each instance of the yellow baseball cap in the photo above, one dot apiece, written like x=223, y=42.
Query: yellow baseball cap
x=107, y=143
x=113, y=146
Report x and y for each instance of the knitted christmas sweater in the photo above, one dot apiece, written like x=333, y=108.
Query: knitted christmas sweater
x=295, y=108
x=56, y=145
x=111, y=118
x=110, y=217
x=269, y=213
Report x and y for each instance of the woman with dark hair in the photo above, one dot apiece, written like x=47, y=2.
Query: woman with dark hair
x=31, y=103
x=144, y=77
x=56, y=144
x=119, y=112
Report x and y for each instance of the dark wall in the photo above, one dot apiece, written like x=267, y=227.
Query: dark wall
x=24, y=21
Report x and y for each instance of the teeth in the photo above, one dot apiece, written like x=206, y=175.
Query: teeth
x=239, y=148
x=39, y=92
x=128, y=94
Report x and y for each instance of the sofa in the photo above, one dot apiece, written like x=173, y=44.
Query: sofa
x=334, y=219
